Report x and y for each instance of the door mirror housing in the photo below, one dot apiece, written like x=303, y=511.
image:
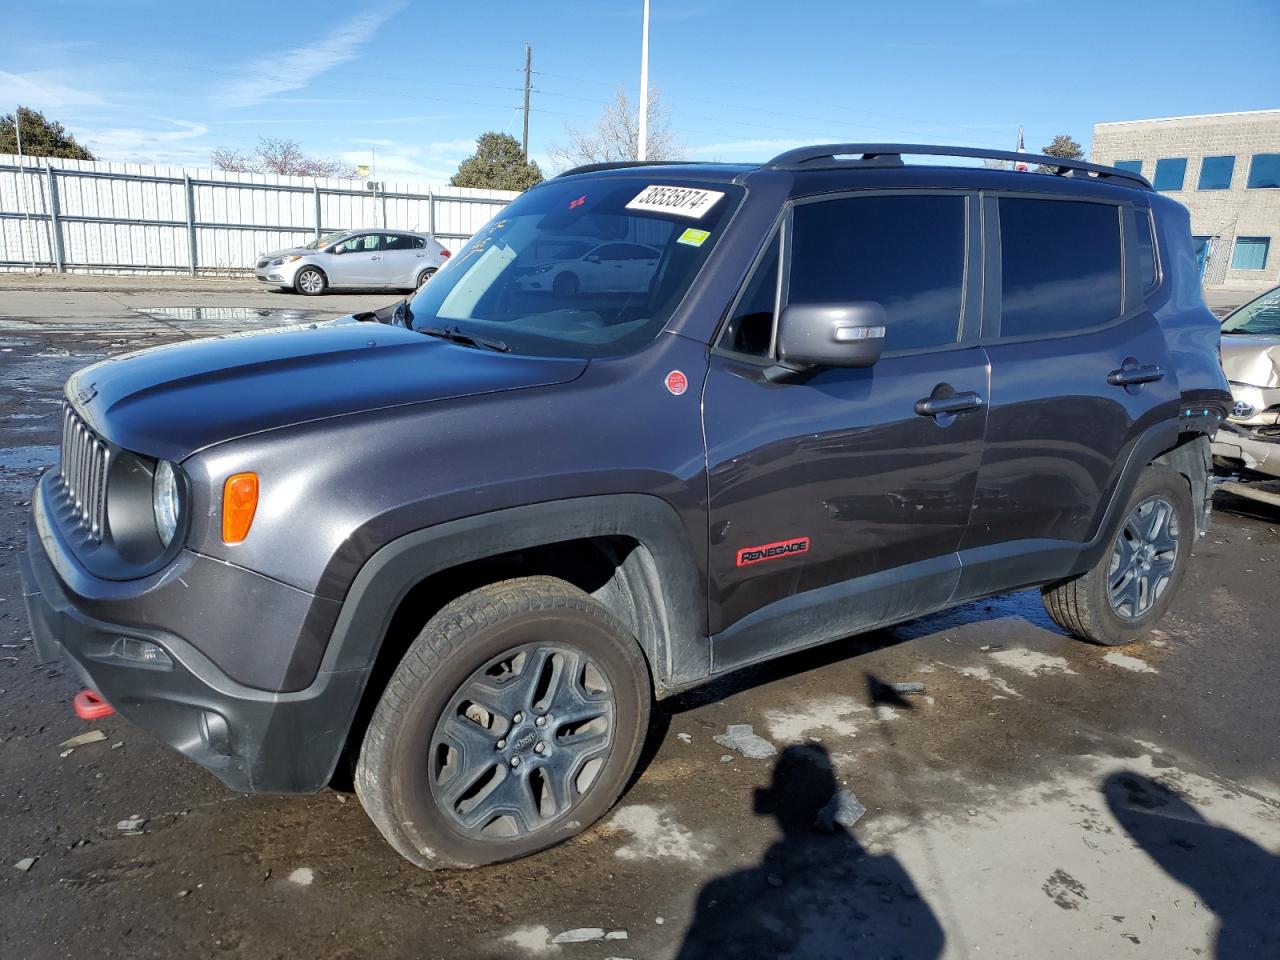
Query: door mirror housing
x=831, y=334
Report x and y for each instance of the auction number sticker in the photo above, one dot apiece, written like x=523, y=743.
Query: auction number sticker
x=681, y=201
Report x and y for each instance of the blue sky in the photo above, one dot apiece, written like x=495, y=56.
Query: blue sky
x=418, y=80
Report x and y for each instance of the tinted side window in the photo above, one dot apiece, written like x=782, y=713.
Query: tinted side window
x=750, y=330
x=1145, y=242
x=396, y=241
x=906, y=252
x=1060, y=265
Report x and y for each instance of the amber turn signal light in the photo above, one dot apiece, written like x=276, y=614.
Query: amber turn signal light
x=239, y=501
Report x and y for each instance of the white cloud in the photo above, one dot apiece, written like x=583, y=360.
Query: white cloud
x=294, y=69
x=172, y=145
x=412, y=162
x=45, y=89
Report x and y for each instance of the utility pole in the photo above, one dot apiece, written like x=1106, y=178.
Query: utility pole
x=642, y=145
x=528, y=75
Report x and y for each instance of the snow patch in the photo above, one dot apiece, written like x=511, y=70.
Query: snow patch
x=1031, y=662
x=838, y=715
x=656, y=836
x=533, y=939
x=1126, y=662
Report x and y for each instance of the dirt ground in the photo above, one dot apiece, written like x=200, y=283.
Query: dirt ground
x=1042, y=798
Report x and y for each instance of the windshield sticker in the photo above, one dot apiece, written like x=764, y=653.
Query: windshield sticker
x=693, y=236
x=575, y=204
x=681, y=201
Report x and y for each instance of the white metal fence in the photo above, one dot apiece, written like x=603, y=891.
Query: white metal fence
x=91, y=216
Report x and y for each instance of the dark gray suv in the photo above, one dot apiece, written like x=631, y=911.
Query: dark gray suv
x=462, y=544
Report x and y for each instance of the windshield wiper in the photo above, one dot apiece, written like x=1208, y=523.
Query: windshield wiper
x=454, y=335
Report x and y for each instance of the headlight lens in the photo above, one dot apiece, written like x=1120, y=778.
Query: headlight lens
x=164, y=501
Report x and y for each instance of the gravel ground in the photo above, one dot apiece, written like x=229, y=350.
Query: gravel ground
x=1040, y=798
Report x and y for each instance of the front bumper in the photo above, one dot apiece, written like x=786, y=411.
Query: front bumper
x=255, y=741
x=1240, y=446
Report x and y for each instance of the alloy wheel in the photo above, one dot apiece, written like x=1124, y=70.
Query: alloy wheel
x=310, y=282
x=522, y=741
x=1143, y=558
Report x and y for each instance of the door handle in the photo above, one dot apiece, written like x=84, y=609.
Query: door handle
x=1132, y=372
x=956, y=403
x=375, y=258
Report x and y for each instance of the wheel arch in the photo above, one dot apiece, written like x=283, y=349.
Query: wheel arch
x=1167, y=444
x=629, y=551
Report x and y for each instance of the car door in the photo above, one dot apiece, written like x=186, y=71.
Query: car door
x=1079, y=370
x=402, y=257
x=838, y=500
x=357, y=262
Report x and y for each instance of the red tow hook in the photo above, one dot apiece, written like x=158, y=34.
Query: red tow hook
x=91, y=706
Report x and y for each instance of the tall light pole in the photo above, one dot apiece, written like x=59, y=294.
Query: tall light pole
x=642, y=144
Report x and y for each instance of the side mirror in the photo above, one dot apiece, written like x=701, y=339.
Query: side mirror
x=334, y=250
x=593, y=258
x=831, y=334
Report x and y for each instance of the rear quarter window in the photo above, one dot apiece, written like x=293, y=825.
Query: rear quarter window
x=1061, y=265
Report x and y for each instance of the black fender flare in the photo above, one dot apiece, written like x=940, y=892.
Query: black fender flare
x=672, y=614
x=1164, y=443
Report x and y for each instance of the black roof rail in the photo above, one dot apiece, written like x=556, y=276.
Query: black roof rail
x=824, y=156
x=617, y=165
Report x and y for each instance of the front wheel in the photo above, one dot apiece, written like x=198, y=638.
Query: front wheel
x=1131, y=586
x=513, y=722
x=310, y=282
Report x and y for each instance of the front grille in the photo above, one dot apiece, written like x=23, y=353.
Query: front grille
x=85, y=459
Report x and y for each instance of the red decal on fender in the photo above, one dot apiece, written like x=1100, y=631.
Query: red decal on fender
x=677, y=383
x=772, y=551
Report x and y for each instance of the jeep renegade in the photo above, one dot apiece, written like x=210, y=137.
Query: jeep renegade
x=651, y=424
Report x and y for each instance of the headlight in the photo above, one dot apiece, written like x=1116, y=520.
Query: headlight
x=164, y=501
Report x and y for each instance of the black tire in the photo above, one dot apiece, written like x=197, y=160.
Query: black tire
x=424, y=276
x=310, y=282
x=565, y=284
x=1086, y=606
x=402, y=764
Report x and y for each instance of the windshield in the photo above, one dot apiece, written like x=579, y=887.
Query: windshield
x=584, y=268
x=1260, y=317
x=325, y=240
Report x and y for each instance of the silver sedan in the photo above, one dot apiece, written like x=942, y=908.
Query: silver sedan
x=354, y=258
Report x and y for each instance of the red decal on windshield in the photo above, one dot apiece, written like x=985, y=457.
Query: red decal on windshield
x=574, y=204
x=772, y=551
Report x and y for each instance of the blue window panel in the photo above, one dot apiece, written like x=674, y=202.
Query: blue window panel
x=1264, y=170
x=1215, y=173
x=1250, y=253
x=1132, y=166
x=1170, y=173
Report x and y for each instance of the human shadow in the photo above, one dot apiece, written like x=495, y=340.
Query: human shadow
x=1230, y=874
x=816, y=893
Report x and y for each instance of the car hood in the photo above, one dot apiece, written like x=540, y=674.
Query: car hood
x=171, y=401
x=1251, y=360
x=289, y=252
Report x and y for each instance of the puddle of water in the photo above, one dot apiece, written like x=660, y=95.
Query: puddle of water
x=271, y=316
x=28, y=458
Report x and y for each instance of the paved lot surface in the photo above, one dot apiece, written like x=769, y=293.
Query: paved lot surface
x=1043, y=798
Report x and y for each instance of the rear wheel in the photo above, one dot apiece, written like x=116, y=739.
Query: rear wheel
x=424, y=276
x=513, y=722
x=1130, y=588
x=310, y=282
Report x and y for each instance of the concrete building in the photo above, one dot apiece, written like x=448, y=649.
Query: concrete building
x=1225, y=168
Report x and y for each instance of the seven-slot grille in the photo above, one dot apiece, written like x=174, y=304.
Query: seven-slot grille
x=85, y=459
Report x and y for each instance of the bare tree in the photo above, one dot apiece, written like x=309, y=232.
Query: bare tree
x=993, y=164
x=616, y=135
x=277, y=155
